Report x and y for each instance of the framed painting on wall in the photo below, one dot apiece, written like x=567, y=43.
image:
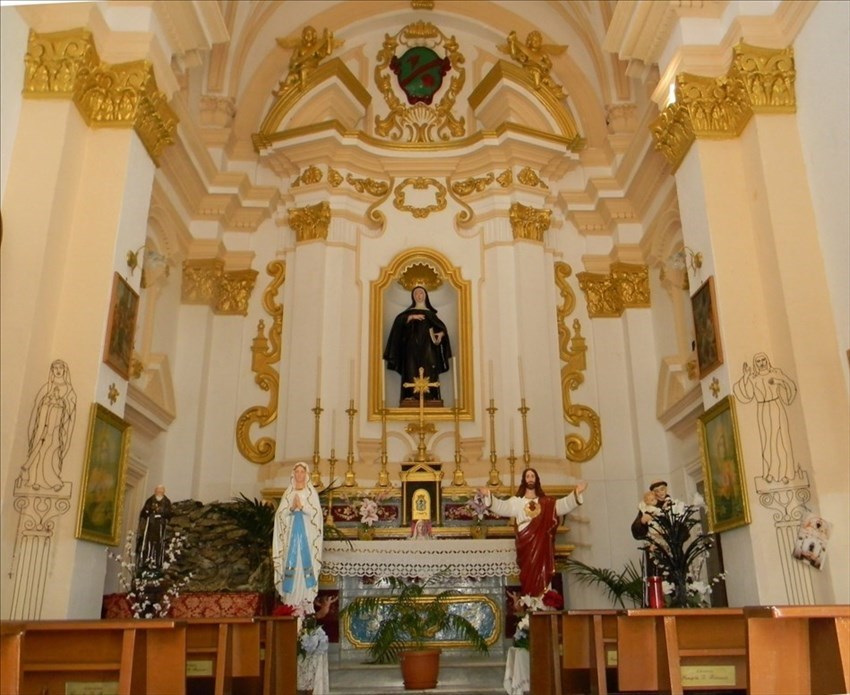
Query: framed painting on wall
x=104, y=470
x=121, y=327
x=725, y=487
x=706, y=329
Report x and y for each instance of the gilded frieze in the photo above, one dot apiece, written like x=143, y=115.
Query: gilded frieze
x=528, y=222
x=206, y=282
x=419, y=121
x=310, y=222
x=572, y=350
x=265, y=352
x=506, y=178
x=607, y=296
x=420, y=183
x=760, y=80
x=370, y=186
x=334, y=178
x=471, y=185
x=66, y=65
x=528, y=177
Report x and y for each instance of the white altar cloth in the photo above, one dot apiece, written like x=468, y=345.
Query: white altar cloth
x=461, y=557
x=517, y=672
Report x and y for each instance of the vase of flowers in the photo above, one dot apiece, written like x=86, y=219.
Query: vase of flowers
x=368, y=516
x=312, y=646
x=478, y=507
x=151, y=588
x=525, y=605
x=679, y=554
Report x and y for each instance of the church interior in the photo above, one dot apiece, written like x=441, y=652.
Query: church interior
x=625, y=222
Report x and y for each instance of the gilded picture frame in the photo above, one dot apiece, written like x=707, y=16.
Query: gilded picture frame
x=121, y=326
x=104, y=472
x=706, y=329
x=725, y=485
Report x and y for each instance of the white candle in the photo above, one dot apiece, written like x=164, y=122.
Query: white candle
x=319, y=377
x=351, y=374
x=454, y=380
x=521, y=378
x=333, y=429
x=491, y=380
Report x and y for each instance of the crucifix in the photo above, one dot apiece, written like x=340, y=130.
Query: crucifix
x=421, y=385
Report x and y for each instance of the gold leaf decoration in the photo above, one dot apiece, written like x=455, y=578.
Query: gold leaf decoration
x=311, y=222
x=265, y=352
x=528, y=222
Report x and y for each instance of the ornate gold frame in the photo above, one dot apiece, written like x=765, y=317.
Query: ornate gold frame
x=491, y=639
x=461, y=343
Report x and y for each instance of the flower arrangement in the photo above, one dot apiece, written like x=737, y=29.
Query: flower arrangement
x=478, y=506
x=680, y=555
x=525, y=605
x=312, y=640
x=150, y=589
x=368, y=512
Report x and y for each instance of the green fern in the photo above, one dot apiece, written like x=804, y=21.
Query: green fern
x=410, y=617
x=627, y=584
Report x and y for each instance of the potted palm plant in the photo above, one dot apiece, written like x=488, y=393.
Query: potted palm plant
x=408, y=618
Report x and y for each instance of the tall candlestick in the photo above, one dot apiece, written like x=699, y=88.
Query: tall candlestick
x=521, y=378
x=454, y=380
x=333, y=429
x=351, y=375
x=512, y=433
x=491, y=380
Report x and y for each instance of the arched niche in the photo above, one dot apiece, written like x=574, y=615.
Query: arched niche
x=451, y=296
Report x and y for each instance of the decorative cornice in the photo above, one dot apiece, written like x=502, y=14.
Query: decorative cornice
x=528, y=222
x=608, y=296
x=760, y=80
x=206, y=282
x=310, y=222
x=66, y=65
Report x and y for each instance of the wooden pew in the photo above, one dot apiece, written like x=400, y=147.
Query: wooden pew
x=279, y=654
x=244, y=655
x=669, y=650
x=144, y=657
x=11, y=667
x=589, y=639
x=798, y=650
x=223, y=649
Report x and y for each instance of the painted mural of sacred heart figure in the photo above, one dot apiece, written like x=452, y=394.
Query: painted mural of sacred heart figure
x=420, y=73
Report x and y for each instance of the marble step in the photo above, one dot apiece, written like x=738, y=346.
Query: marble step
x=467, y=676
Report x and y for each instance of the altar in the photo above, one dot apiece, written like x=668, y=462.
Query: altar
x=476, y=569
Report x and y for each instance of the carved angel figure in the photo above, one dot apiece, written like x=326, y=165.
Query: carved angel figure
x=308, y=52
x=533, y=56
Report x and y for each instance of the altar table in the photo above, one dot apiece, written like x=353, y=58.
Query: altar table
x=459, y=557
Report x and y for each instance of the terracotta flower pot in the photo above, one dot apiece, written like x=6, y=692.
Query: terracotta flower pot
x=420, y=668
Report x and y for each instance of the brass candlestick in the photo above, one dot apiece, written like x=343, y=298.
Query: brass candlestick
x=383, y=476
x=494, y=479
x=526, y=455
x=512, y=462
x=349, y=474
x=457, y=479
x=315, y=477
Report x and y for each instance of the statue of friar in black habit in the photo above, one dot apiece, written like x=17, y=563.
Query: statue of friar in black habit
x=153, y=520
